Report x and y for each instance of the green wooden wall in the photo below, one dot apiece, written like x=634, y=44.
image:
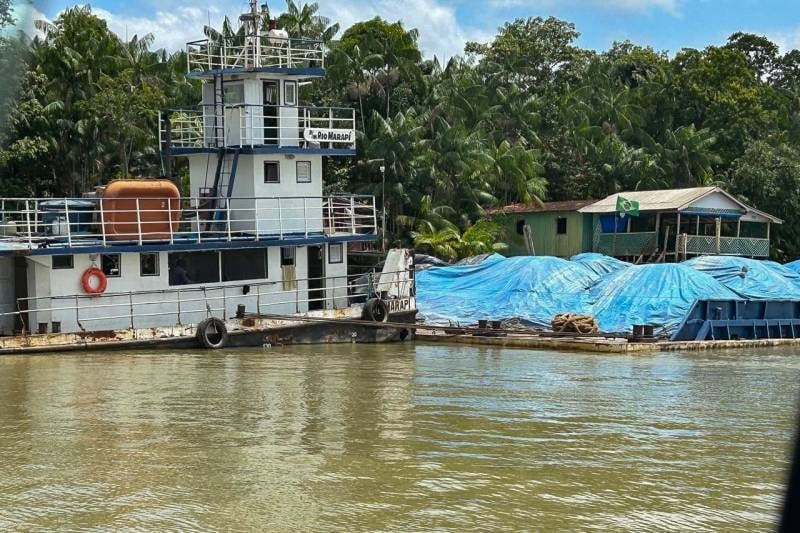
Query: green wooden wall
x=546, y=240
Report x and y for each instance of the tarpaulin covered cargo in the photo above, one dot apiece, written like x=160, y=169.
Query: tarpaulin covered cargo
x=660, y=295
x=599, y=263
x=794, y=266
x=750, y=278
x=532, y=289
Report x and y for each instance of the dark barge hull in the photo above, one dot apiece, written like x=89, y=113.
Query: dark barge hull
x=400, y=329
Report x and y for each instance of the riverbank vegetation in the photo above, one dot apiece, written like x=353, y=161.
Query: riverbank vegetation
x=529, y=116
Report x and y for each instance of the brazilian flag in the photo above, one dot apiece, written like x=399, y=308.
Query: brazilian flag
x=627, y=207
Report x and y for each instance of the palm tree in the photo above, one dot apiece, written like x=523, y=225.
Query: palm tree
x=687, y=156
x=304, y=21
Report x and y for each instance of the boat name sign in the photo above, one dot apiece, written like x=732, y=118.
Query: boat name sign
x=328, y=135
x=399, y=305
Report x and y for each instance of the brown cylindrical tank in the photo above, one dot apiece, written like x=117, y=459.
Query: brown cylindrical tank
x=147, y=208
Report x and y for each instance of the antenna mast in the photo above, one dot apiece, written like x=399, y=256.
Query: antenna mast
x=252, y=26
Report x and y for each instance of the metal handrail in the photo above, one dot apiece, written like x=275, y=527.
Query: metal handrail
x=198, y=219
x=196, y=127
x=254, y=52
x=330, y=298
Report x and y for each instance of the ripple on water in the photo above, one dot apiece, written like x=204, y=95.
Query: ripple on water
x=395, y=437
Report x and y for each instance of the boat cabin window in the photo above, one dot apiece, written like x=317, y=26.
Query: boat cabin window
x=111, y=264
x=287, y=256
x=193, y=267
x=148, y=264
x=335, y=253
x=272, y=173
x=241, y=265
x=304, y=172
x=63, y=262
x=561, y=226
x=234, y=94
x=290, y=93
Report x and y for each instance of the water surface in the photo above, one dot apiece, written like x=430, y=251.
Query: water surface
x=395, y=437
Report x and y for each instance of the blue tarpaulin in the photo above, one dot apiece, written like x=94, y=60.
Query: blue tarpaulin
x=750, y=278
x=660, y=295
x=529, y=288
x=534, y=289
x=599, y=263
x=793, y=266
x=618, y=294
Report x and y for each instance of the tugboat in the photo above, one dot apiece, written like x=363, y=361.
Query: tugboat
x=255, y=255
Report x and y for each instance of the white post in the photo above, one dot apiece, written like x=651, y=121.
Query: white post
x=374, y=217
x=197, y=218
x=69, y=226
x=305, y=217
x=169, y=214
x=139, y=221
x=352, y=216
x=28, y=224
x=102, y=223
x=228, y=217
x=280, y=219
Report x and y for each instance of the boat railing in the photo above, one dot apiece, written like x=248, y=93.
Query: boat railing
x=219, y=300
x=75, y=222
x=253, y=52
x=239, y=125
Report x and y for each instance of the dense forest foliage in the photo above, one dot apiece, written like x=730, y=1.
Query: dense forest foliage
x=527, y=117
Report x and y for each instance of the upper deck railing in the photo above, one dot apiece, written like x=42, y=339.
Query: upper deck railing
x=206, y=55
x=209, y=126
x=30, y=223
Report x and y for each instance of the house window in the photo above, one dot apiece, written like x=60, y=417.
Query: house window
x=287, y=256
x=111, y=265
x=521, y=226
x=272, y=172
x=561, y=226
x=63, y=262
x=148, y=264
x=290, y=93
x=335, y=253
x=304, y=172
x=241, y=265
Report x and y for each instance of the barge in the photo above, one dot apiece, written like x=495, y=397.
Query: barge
x=253, y=254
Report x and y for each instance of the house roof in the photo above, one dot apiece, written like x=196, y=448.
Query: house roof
x=674, y=200
x=545, y=207
x=662, y=200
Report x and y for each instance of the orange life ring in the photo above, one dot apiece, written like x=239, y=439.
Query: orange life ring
x=91, y=274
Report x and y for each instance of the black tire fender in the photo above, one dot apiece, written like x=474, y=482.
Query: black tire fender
x=375, y=310
x=212, y=334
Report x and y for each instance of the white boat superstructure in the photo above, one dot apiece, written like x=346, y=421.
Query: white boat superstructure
x=252, y=234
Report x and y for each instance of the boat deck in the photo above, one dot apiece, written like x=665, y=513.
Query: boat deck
x=595, y=344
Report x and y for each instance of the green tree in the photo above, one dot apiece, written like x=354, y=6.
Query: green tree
x=534, y=53
x=769, y=177
x=303, y=20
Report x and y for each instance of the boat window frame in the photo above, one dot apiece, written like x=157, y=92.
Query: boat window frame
x=278, y=174
x=297, y=172
x=286, y=91
x=288, y=253
x=62, y=267
x=335, y=246
x=119, y=265
x=157, y=264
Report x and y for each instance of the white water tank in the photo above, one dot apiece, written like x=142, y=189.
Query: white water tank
x=278, y=36
x=8, y=228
